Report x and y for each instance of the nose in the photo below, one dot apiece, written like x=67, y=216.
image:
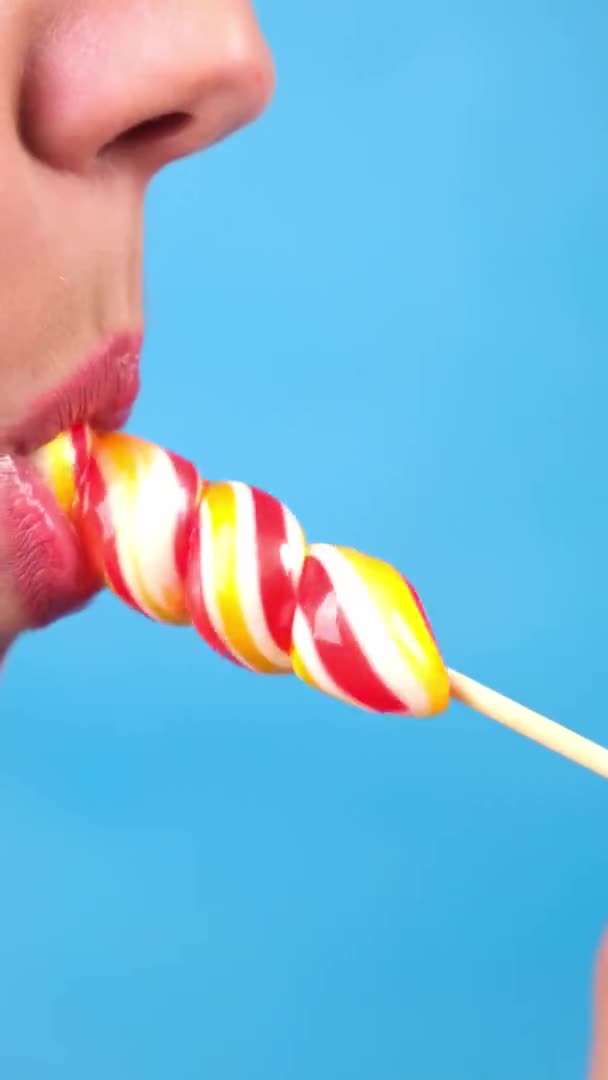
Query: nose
x=142, y=81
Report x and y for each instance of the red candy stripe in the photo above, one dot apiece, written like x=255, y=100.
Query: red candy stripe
x=277, y=588
x=336, y=645
x=99, y=533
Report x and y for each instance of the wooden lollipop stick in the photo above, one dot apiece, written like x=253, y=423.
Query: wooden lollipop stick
x=531, y=724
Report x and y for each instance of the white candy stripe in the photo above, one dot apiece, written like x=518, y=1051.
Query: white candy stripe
x=305, y=647
x=156, y=513
x=248, y=578
x=293, y=552
x=373, y=637
x=121, y=515
x=207, y=578
x=145, y=530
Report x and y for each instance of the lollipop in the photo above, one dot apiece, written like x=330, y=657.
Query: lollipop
x=234, y=561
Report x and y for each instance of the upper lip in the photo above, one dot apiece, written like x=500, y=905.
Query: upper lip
x=101, y=393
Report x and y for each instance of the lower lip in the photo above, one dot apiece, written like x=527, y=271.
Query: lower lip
x=46, y=559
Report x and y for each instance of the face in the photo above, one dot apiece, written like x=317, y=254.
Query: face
x=95, y=97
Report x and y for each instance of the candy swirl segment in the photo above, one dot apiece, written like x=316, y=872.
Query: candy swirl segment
x=360, y=634
x=245, y=563
x=133, y=504
x=234, y=561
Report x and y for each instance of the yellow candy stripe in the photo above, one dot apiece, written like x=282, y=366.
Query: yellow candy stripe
x=143, y=496
x=57, y=463
x=359, y=635
x=220, y=556
x=405, y=623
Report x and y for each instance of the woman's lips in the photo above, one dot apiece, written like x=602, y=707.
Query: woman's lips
x=45, y=559
x=101, y=393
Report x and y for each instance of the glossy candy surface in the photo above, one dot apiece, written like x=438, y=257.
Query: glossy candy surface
x=245, y=563
x=133, y=504
x=234, y=561
x=361, y=635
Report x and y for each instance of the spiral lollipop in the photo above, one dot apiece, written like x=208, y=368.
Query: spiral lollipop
x=234, y=561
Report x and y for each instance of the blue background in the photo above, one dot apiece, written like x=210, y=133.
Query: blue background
x=387, y=303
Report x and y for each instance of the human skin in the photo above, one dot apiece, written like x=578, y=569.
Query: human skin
x=95, y=97
x=599, y=1067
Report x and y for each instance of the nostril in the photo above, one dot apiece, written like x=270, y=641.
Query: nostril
x=154, y=130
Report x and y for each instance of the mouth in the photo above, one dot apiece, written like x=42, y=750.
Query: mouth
x=45, y=560
x=101, y=393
